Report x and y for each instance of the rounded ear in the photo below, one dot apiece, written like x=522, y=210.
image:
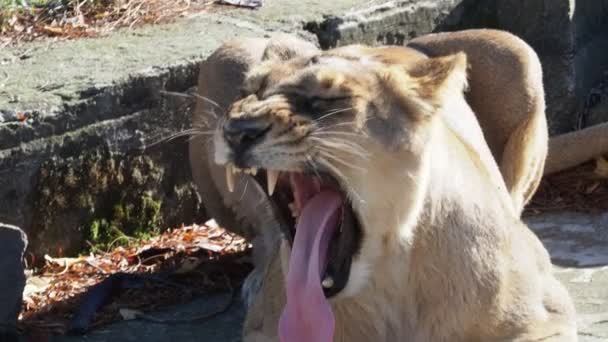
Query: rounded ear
x=423, y=87
x=283, y=47
x=435, y=77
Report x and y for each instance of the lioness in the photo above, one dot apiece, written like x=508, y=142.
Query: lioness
x=399, y=213
x=506, y=95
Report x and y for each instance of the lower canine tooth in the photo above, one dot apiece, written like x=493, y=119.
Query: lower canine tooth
x=293, y=209
x=327, y=282
x=230, y=177
x=273, y=177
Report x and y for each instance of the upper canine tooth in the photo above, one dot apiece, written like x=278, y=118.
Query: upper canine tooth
x=230, y=177
x=273, y=177
x=327, y=282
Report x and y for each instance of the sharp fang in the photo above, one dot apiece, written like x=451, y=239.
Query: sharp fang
x=327, y=282
x=273, y=177
x=294, y=209
x=230, y=177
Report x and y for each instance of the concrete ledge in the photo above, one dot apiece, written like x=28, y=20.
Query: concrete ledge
x=392, y=22
x=97, y=102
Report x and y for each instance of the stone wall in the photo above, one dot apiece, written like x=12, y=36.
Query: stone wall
x=572, y=39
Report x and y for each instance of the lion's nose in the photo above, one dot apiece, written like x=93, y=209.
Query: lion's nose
x=242, y=133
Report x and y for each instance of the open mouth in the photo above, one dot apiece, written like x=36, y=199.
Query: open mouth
x=318, y=222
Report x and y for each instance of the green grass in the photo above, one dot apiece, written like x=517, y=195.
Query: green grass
x=130, y=223
x=41, y=11
x=8, y=8
x=17, y=5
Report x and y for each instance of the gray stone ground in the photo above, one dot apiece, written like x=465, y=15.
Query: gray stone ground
x=578, y=245
x=224, y=328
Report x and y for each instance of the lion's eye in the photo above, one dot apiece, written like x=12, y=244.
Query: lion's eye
x=315, y=105
x=315, y=101
x=318, y=106
x=321, y=101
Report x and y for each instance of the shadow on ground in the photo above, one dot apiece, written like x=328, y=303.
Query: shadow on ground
x=578, y=244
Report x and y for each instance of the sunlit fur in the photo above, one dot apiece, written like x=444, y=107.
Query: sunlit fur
x=445, y=256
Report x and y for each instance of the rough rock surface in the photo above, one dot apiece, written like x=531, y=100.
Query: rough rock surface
x=572, y=39
x=13, y=243
x=385, y=22
x=577, y=244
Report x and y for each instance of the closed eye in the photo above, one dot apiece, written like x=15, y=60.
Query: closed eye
x=328, y=99
x=317, y=106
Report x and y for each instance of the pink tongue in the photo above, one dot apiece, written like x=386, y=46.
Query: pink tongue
x=307, y=316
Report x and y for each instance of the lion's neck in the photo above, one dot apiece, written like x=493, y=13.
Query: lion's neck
x=409, y=200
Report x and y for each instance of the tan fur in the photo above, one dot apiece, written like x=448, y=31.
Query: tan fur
x=445, y=256
x=509, y=104
x=571, y=149
x=504, y=94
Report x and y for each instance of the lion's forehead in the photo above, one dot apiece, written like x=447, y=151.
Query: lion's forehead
x=329, y=76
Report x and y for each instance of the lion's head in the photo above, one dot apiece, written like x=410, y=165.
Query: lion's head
x=338, y=138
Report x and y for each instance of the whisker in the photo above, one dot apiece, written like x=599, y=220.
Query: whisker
x=333, y=112
x=328, y=154
x=175, y=93
x=244, y=190
x=341, y=124
x=312, y=164
x=210, y=101
x=340, y=175
x=349, y=123
x=330, y=133
x=213, y=114
x=342, y=145
x=191, y=133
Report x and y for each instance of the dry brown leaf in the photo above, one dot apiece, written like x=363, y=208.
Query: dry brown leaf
x=129, y=314
x=592, y=188
x=180, y=249
x=601, y=167
x=54, y=29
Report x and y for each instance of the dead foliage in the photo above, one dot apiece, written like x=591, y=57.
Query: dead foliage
x=175, y=266
x=69, y=19
x=582, y=189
